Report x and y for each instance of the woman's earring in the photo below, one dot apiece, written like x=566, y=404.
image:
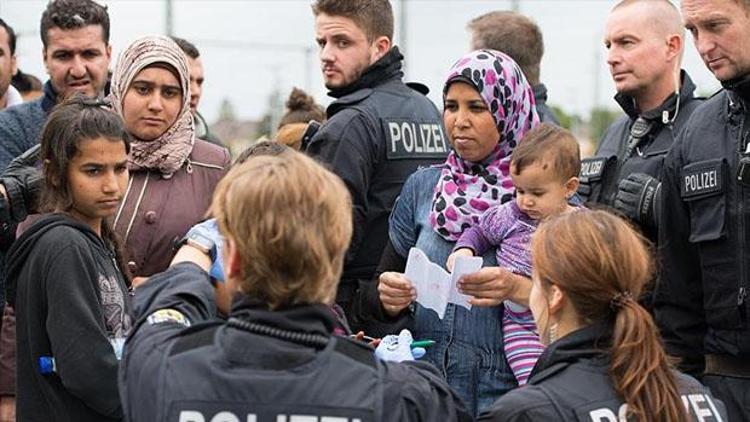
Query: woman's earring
x=552, y=333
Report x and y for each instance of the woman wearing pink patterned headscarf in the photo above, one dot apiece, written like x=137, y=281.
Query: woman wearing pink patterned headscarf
x=173, y=174
x=471, y=181
x=488, y=107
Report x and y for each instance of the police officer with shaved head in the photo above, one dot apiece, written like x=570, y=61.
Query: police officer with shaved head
x=644, y=40
x=701, y=300
x=379, y=130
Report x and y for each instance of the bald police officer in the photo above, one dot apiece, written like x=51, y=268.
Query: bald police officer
x=644, y=39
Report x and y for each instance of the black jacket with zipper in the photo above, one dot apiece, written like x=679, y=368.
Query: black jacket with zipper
x=379, y=131
x=701, y=302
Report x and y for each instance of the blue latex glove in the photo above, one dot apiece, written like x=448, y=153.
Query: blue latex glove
x=210, y=229
x=398, y=348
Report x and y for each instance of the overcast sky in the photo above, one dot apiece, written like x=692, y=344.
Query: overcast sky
x=250, y=47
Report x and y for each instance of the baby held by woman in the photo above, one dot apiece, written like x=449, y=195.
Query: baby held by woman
x=544, y=169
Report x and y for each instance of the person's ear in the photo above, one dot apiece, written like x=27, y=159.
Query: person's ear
x=674, y=47
x=555, y=299
x=232, y=262
x=571, y=187
x=380, y=47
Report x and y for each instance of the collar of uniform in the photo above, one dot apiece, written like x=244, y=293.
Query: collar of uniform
x=388, y=67
x=627, y=103
x=739, y=89
x=590, y=342
x=347, y=101
x=314, y=319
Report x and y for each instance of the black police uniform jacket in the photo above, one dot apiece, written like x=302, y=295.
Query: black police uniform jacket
x=601, y=174
x=701, y=299
x=570, y=382
x=178, y=368
x=379, y=131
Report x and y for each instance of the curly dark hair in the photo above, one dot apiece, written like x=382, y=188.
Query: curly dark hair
x=73, y=14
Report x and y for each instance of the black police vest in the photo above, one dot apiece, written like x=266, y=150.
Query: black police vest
x=342, y=383
x=639, y=147
x=407, y=132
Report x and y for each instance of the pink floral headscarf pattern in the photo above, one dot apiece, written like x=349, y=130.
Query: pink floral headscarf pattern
x=466, y=189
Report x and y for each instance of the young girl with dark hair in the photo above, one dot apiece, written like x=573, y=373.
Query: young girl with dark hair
x=604, y=360
x=71, y=294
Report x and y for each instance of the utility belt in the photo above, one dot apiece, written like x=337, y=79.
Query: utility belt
x=728, y=365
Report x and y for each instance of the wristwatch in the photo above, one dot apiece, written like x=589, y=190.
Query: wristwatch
x=200, y=242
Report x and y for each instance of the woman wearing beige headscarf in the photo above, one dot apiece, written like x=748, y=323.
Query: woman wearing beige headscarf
x=172, y=174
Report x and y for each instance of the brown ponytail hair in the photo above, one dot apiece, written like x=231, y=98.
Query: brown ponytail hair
x=602, y=265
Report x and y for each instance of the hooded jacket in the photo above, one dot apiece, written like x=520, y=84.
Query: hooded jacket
x=71, y=301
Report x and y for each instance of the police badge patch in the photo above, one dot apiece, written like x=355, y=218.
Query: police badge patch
x=163, y=316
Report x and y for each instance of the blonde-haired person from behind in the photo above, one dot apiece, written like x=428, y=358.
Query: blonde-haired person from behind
x=286, y=222
x=604, y=361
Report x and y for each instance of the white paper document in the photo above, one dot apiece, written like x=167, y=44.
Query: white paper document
x=435, y=286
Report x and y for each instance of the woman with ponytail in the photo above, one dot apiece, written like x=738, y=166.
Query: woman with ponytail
x=604, y=361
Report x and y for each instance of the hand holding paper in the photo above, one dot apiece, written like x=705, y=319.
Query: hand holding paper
x=490, y=286
x=436, y=287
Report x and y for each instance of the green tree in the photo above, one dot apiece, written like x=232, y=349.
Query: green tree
x=568, y=121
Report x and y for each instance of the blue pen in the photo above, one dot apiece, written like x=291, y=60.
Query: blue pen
x=47, y=365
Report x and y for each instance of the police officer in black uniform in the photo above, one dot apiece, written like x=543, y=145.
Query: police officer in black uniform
x=701, y=300
x=379, y=130
x=645, y=45
x=604, y=362
x=275, y=358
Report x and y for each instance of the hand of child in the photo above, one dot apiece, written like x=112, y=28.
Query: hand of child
x=396, y=292
x=452, y=257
